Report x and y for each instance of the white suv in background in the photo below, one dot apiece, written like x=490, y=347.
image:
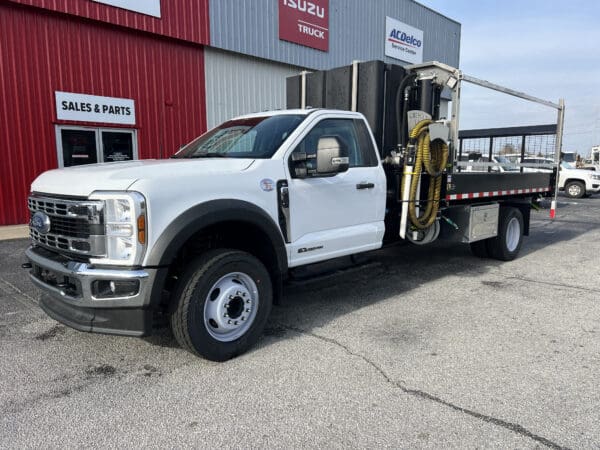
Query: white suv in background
x=577, y=183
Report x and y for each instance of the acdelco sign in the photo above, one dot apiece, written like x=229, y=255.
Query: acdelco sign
x=403, y=41
x=305, y=22
x=400, y=37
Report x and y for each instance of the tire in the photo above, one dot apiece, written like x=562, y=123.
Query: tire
x=480, y=248
x=575, y=189
x=221, y=304
x=507, y=244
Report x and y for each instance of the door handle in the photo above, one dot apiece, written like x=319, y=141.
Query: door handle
x=365, y=185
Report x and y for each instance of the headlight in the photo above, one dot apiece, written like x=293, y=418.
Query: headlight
x=595, y=177
x=124, y=227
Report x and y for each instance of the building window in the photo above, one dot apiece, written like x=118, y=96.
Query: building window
x=86, y=145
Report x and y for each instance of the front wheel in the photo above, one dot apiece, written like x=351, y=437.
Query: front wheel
x=221, y=304
x=507, y=244
x=575, y=189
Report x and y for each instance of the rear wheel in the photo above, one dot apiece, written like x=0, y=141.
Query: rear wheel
x=221, y=304
x=507, y=244
x=575, y=189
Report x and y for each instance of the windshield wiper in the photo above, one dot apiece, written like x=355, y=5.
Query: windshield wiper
x=209, y=155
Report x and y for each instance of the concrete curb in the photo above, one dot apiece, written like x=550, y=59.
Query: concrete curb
x=14, y=232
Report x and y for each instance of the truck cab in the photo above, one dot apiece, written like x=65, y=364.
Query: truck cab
x=271, y=190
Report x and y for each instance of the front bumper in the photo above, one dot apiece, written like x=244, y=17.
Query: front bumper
x=68, y=295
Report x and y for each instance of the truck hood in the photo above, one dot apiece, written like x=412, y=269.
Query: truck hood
x=578, y=173
x=119, y=176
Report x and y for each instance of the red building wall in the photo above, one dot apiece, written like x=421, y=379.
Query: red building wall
x=181, y=19
x=42, y=52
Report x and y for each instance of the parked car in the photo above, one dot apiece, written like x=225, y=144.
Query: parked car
x=577, y=183
x=478, y=163
x=538, y=164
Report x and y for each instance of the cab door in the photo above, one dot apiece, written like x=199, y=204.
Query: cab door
x=332, y=216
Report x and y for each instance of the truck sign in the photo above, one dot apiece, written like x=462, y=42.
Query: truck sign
x=305, y=23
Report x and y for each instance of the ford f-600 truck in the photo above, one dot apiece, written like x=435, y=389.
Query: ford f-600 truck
x=205, y=240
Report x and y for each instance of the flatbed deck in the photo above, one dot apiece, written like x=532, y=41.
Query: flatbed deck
x=464, y=186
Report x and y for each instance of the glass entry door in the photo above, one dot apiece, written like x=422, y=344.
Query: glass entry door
x=117, y=145
x=78, y=147
x=86, y=145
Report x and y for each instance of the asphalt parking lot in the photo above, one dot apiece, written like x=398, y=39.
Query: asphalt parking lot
x=424, y=347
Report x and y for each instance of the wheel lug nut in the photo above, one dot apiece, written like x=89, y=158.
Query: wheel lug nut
x=225, y=315
x=243, y=294
x=229, y=321
x=231, y=297
x=235, y=323
x=242, y=318
x=248, y=310
x=248, y=301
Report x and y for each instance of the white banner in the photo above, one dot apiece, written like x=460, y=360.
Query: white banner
x=93, y=108
x=403, y=41
x=150, y=7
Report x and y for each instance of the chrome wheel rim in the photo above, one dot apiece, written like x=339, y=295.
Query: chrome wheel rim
x=231, y=306
x=513, y=234
x=574, y=190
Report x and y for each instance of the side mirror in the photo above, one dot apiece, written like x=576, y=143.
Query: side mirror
x=332, y=157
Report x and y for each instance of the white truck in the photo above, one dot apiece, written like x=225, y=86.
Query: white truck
x=576, y=183
x=205, y=241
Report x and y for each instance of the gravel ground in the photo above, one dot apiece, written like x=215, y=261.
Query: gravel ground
x=424, y=347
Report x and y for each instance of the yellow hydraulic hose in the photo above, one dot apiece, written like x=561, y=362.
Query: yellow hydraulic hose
x=433, y=157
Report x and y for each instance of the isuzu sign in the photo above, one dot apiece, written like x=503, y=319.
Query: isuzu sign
x=305, y=22
x=403, y=42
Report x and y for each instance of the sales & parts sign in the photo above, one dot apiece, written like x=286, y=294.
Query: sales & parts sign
x=403, y=42
x=305, y=22
x=93, y=108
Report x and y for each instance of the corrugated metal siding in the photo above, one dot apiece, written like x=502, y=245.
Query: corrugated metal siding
x=356, y=31
x=181, y=19
x=238, y=84
x=41, y=53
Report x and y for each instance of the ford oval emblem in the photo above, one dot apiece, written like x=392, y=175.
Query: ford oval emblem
x=41, y=222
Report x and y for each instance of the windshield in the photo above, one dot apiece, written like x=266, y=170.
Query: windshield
x=257, y=137
x=566, y=165
x=568, y=157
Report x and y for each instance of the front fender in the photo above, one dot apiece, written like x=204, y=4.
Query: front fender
x=210, y=213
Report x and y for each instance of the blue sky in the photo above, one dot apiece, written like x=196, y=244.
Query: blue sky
x=549, y=49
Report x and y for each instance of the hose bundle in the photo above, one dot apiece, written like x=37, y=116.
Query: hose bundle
x=433, y=157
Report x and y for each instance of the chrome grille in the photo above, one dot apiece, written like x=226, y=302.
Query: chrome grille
x=71, y=227
x=76, y=226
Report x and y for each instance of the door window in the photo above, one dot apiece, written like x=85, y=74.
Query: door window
x=78, y=147
x=86, y=145
x=117, y=146
x=352, y=134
